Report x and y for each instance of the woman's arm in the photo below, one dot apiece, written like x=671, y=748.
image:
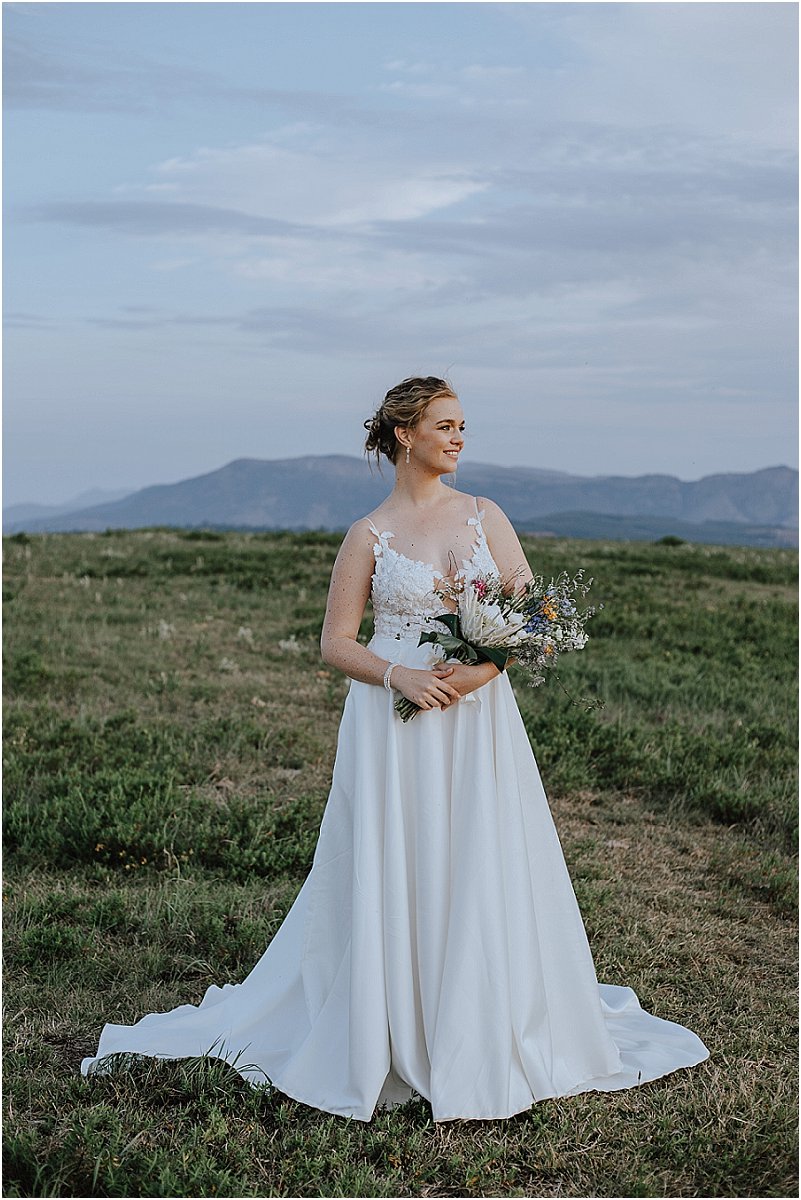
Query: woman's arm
x=505, y=545
x=506, y=550
x=348, y=594
x=511, y=561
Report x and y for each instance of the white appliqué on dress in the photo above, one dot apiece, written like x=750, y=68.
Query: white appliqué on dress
x=436, y=946
x=403, y=595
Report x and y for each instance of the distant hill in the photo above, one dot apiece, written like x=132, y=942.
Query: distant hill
x=649, y=529
x=332, y=491
x=16, y=515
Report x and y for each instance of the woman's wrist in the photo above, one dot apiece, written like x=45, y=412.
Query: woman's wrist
x=482, y=673
x=468, y=677
x=489, y=670
x=391, y=676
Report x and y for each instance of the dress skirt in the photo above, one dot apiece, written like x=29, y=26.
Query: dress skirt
x=436, y=946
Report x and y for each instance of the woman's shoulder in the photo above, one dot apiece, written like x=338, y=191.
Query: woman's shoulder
x=364, y=529
x=373, y=518
x=490, y=510
x=470, y=500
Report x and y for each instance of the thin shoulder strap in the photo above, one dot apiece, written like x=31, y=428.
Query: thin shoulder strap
x=479, y=514
x=476, y=520
x=383, y=538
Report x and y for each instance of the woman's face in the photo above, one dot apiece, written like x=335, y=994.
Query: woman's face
x=438, y=440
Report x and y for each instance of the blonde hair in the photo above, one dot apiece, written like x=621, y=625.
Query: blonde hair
x=404, y=406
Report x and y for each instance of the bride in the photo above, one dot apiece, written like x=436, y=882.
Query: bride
x=436, y=947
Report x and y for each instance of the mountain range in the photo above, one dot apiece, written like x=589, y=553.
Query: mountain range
x=332, y=491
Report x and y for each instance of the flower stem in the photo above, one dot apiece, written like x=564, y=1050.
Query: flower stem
x=406, y=708
x=589, y=702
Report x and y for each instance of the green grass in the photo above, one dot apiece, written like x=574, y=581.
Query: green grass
x=170, y=732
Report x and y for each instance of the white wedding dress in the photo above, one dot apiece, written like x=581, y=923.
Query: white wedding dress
x=436, y=946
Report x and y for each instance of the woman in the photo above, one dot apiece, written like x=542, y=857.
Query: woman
x=436, y=946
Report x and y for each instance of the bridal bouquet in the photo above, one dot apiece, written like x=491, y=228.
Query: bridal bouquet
x=534, y=625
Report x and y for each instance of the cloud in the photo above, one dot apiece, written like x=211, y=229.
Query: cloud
x=348, y=181
x=467, y=85
x=46, y=73
x=26, y=320
x=727, y=69
x=623, y=228
x=43, y=74
x=151, y=218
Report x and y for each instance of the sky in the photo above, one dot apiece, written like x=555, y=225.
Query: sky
x=230, y=228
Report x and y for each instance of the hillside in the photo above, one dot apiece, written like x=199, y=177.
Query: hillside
x=332, y=491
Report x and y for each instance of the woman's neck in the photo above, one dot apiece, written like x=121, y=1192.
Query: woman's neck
x=416, y=490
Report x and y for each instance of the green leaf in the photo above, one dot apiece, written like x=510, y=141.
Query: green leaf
x=494, y=654
x=454, y=647
x=451, y=620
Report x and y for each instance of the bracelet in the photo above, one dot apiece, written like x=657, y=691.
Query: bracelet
x=387, y=674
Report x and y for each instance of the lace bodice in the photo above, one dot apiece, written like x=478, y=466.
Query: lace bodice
x=404, y=600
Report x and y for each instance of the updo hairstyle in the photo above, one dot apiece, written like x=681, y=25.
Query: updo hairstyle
x=403, y=405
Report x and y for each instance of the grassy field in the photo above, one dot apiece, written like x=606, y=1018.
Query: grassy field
x=169, y=738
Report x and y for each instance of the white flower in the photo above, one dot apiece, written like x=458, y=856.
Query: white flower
x=484, y=624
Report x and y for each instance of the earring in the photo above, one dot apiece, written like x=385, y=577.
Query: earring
x=407, y=453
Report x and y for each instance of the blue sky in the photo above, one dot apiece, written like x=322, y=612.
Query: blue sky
x=230, y=228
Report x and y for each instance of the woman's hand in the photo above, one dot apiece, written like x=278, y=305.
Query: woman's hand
x=426, y=689
x=467, y=677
